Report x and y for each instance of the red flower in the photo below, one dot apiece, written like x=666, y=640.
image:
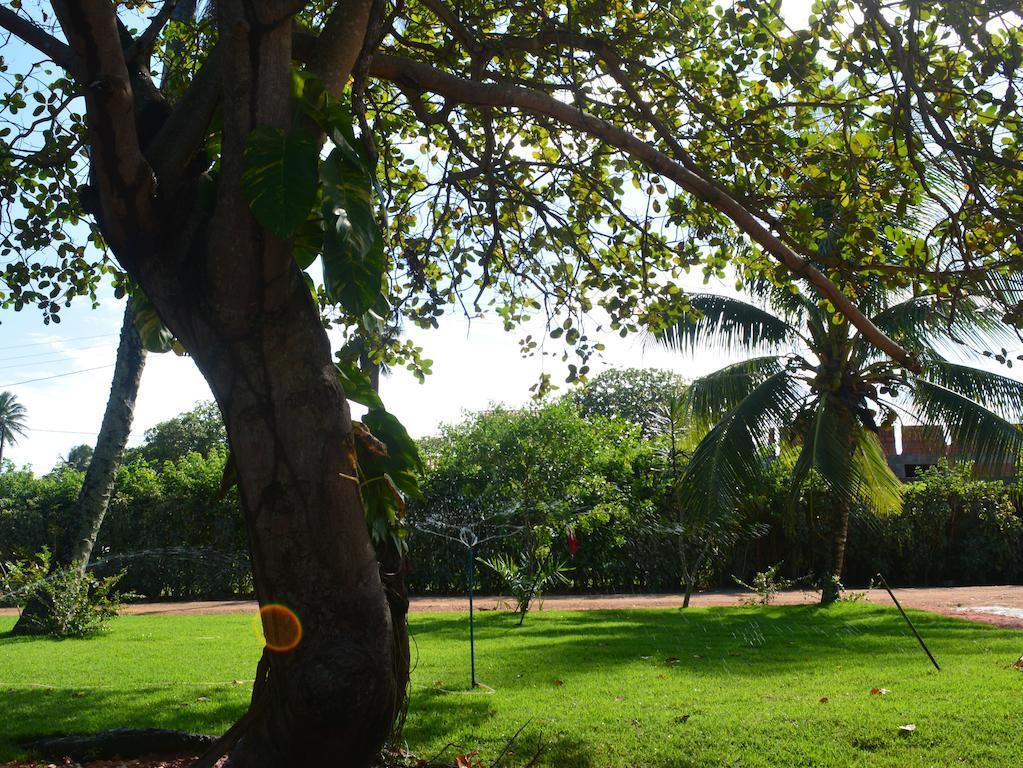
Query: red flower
x=573, y=542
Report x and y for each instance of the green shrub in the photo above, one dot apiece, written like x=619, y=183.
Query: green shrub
x=71, y=603
x=953, y=528
x=528, y=583
x=765, y=585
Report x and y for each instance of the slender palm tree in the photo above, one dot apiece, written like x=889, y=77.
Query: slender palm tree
x=824, y=389
x=12, y=421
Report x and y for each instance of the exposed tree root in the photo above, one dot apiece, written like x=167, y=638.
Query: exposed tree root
x=120, y=742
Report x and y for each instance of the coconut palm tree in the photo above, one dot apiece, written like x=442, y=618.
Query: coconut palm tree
x=813, y=380
x=12, y=421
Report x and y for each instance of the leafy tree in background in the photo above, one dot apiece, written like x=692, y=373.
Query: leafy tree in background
x=200, y=430
x=497, y=189
x=633, y=394
x=542, y=470
x=12, y=421
x=818, y=384
x=78, y=457
x=700, y=535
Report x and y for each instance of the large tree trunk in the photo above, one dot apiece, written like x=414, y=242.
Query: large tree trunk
x=93, y=499
x=234, y=297
x=829, y=593
x=331, y=699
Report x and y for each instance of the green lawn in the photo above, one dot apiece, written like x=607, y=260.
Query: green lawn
x=707, y=687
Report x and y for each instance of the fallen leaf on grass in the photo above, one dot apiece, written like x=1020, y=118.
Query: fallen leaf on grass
x=681, y=718
x=879, y=691
x=619, y=698
x=824, y=699
x=907, y=728
x=203, y=698
x=466, y=761
x=1018, y=664
x=559, y=682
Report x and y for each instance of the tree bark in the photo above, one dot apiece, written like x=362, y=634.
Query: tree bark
x=98, y=484
x=829, y=593
x=332, y=698
x=234, y=297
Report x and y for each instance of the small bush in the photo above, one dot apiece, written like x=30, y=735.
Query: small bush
x=66, y=601
x=524, y=583
x=765, y=585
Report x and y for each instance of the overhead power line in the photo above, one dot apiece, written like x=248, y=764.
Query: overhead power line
x=60, y=352
x=56, y=376
x=45, y=341
x=61, y=431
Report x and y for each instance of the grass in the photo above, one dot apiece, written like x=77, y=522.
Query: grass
x=705, y=687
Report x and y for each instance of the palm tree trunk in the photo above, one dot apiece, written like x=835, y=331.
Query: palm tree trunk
x=3, y=434
x=829, y=593
x=692, y=576
x=113, y=436
x=98, y=485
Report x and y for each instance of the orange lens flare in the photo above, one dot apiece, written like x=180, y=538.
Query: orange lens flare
x=282, y=631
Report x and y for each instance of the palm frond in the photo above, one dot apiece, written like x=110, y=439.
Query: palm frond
x=991, y=438
x=878, y=487
x=921, y=322
x=726, y=323
x=849, y=459
x=708, y=397
x=991, y=390
x=726, y=462
x=12, y=415
x=827, y=444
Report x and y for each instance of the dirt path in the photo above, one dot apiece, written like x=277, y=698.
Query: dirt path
x=965, y=602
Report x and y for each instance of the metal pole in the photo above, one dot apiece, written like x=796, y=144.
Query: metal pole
x=915, y=633
x=472, y=630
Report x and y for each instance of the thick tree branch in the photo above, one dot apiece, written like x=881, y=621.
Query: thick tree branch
x=184, y=133
x=59, y=53
x=123, y=178
x=340, y=42
x=422, y=77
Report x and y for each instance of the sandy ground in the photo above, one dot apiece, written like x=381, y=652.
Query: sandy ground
x=1002, y=605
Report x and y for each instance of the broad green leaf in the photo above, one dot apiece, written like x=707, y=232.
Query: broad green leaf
x=280, y=178
x=307, y=243
x=357, y=387
x=403, y=461
x=153, y=333
x=353, y=246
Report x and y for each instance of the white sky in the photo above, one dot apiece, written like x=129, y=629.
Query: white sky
x=474, y=365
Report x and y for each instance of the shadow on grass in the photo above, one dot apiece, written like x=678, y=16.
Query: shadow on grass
x=33, y=713
x=770, y=640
